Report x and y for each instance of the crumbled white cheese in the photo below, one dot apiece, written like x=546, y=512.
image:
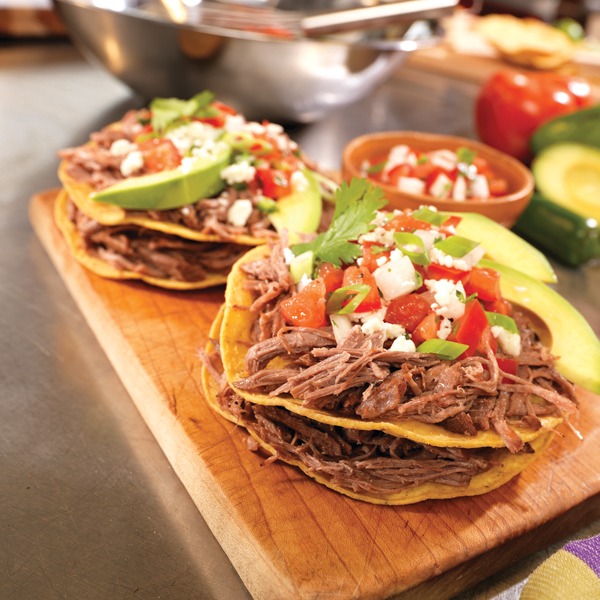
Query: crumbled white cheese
x=380, y=236
x=447, y=296
x=363, y=317
x=304, y=281
x=194, y=135
x=299, y=181
x=464, y=263
x=375, y=324
x=288, y=255
x=239, y=172
x=122, y=147
x=445, y=159
x=396, y=277
x=445, y=328
x=402, y=344
x=132, y=163
x=429, y=237
x=239, y=213
x=509, y=342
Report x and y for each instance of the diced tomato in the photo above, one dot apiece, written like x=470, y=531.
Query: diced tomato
x=481, y=164
x=422, y=169
x=426, y=329
x=361, y=275
x=403, y=170
x=451, y=222
x=307, y=307
x=407, y=311
x=508, y=365
x=501, y=306
x=274, y=183
x=497, y=186
x=332, y=276
x=470, y=327
x=485, y=283
x=159, y=154
x=487, y=340
x=436, y=271
x=406, y=222
x=370, y=254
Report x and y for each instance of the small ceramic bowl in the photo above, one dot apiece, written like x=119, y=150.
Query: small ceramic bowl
x=504, y=209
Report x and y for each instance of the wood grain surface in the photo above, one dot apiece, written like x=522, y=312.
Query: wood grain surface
x=287, y=536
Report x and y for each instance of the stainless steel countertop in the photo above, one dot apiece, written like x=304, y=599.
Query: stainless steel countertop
x=89, y=506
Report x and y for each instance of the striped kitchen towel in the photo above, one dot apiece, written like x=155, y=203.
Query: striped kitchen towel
x=572, y=573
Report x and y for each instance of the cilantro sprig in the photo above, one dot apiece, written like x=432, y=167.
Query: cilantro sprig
x=167, y=112
x=356, y=205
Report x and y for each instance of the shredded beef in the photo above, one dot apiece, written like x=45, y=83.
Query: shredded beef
x=153, y=253
x=370, y=462
x=361, y=378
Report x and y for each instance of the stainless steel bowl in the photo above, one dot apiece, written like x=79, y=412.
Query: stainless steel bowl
x=161, y=48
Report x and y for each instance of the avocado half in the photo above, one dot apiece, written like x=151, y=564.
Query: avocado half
x=567, y=333
x=569, y=174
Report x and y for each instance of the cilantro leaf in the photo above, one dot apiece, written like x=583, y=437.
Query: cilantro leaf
x=169, y=111
x=356, y=205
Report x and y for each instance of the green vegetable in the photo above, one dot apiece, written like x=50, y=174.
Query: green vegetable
x=171, y=112
x=356, y=205
x=302, y=265
x=345, y=300
x=571, y=338
x=572, y=28
x=456, y=246
x=568, y=236
x=504, y=246
x=412, y=246
x=424, y=213
x=569, y=174
x=581, y=126
x=442, y=348
x=500, y=320
x=169, y=189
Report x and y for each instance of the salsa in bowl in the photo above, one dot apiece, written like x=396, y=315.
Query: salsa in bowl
x=448, y=172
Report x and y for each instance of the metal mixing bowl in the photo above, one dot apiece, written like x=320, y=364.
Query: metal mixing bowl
x=158, y=51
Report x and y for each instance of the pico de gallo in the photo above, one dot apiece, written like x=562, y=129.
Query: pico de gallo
x=172, y=132
x=443, y=174
x=409, y=275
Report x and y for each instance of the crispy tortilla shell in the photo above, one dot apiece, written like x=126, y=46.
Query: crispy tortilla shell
x=104, y=269
x=506, y=467
x=110, y=214
x=236, y=337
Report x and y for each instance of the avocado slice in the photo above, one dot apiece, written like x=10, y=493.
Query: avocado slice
x=572, y=339
x=504, y=246
x=300, y=211
x=569, y=174
x=169, y=189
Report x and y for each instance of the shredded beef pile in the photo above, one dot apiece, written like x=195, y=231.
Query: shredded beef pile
x=360, y=378
x=153, y=253
x=362, y=461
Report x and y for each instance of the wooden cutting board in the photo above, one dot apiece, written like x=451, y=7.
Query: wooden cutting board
x=287, y=536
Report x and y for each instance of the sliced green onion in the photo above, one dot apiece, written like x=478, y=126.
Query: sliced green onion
x=352, y=294
x=302, y=265
x=242, y=141
x=424, y=213
x=442, y=348
x=266, y=205
x=375, y=249
x=464, y=299
x=412, y=246
x=456, y=246
x=376, y=168
x=504, y=321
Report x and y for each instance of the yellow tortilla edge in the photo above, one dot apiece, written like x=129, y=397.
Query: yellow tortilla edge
x=510, y=465
x=103, y=269
x=110, y=214
x=236, y=338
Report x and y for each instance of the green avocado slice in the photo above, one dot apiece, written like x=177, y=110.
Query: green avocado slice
x=300, y=211
x=573, y=341
x=169, y=189
x=504, y=246
x=569, y=174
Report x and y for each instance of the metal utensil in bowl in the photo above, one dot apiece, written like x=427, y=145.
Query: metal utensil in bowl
x=269, y=61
